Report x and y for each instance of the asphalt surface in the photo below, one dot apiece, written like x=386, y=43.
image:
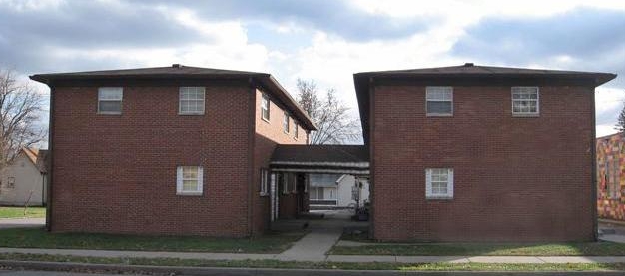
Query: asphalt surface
x=247, y=272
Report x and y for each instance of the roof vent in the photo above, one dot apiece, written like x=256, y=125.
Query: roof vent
x=468, y=64
x=176, y=65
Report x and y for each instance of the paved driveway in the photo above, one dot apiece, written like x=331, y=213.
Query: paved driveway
x=22, y=222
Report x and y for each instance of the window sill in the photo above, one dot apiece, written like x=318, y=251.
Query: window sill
x=189, y=193
x=265, y=119
x=529, y=115
x=189, y=113
x=438, y=115
x=439, y=198
x=108, y=113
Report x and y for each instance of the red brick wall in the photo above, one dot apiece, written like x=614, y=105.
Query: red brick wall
x=268, y=135
x=117, y=173
x=515, y=179
x=610, y=179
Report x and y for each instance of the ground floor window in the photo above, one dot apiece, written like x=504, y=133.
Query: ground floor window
x=190, y=180
x=322, y=196
x=439, y=183
x=316, y=193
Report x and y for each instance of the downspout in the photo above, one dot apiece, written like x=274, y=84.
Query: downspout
x=593, y=182
x=252, y=151
x=50, y=161
x=371, y=160
x=43, y=189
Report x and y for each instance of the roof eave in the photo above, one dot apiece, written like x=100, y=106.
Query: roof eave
x=302, y=114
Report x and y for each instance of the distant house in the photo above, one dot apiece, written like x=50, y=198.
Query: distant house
x=24, y=181
x=337, y=190
x=610, y=179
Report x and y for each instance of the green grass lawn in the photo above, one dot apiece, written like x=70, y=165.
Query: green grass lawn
x=477, y=249
x=18, y=212
x=39, y=238
x=486, y=249
x=317, y=265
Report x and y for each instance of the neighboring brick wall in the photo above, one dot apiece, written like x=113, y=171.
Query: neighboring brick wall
x=515, y=179
x=117, y=173
x=268, y=135
x=610, y=178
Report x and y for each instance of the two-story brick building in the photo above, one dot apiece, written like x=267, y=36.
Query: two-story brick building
x=472, y=153
x=171, y=150
x=465, y=153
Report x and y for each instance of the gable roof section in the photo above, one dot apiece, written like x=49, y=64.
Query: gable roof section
x=351, y=159
x=37, y=157
x=178, y=71
x=467, y=72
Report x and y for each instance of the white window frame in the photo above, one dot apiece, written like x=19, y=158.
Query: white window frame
x=180, y=181
x=265, y=101
x=120, y=99
x=523, y=90
x=439, y=94
x=429, y=174
x=264, y=182
x=286, y=122
x=194, y=89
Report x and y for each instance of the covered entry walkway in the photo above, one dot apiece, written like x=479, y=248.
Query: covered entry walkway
x=299, y=162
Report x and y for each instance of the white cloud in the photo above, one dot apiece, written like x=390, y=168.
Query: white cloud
x=330, y=59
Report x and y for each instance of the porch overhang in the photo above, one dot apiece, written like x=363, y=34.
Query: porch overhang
x=335, y=159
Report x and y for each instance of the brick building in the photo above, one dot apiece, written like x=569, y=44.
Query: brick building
x=172, y=150
x=472, y=153
x=465, y=153
x=610, y=179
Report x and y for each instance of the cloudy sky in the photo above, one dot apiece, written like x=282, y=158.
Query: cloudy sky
x=324, y=40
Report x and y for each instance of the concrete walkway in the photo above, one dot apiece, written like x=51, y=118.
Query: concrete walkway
x=317, y=258
x=22, y=222
x=324, y=233
x=313, y=248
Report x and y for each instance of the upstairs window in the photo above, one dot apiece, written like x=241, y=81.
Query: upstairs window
x=190, y=180
x=439, y=100
x=265, y=107
x=296, y=130
x=439, y=183
x=110, y=100
x=191, y=100
x=286, y=123
x=524, y=101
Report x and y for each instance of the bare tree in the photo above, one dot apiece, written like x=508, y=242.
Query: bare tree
x=620, y=126
x=334, y=123
x=20, y=111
